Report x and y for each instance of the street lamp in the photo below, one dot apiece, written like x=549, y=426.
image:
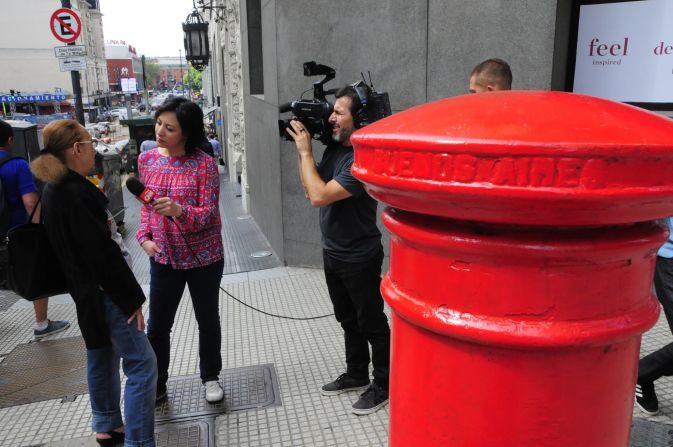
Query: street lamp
x=197, y=51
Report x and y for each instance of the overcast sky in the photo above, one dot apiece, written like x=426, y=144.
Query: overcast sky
x=153, y=27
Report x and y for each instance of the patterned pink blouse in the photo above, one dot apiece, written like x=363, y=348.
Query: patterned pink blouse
x=193, y=182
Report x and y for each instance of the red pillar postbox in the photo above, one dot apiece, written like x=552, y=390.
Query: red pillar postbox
x=523, y=240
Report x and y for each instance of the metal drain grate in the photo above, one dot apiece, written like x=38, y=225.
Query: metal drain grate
x=651, y=434
x=244, y=389
x=34, y=372
x=185, y=434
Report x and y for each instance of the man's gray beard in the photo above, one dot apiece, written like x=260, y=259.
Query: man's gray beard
x=341, y=137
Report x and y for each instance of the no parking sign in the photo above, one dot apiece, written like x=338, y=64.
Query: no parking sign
x=65, y=25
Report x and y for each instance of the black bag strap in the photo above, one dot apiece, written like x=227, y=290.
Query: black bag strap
x=32, y=213
x=7, y=158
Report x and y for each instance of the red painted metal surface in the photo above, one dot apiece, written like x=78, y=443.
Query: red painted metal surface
x=522, y=250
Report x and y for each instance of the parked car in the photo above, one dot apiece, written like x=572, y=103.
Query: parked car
x=122, y=114
x=105, y=116
x=98, y=130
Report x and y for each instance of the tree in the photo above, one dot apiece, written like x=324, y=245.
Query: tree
x=193, y=79
x=152, y=70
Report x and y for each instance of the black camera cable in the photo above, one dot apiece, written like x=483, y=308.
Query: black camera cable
x=285, y=317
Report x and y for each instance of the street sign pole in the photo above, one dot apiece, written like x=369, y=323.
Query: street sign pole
x=147, y=93
x=76, y=87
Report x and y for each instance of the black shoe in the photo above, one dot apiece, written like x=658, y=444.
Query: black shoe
x=371, y=400
x=646, y=398
x=115, y=438
x=342, y=384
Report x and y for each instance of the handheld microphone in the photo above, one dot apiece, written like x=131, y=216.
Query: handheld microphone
x=136, y=187
x=145, y=194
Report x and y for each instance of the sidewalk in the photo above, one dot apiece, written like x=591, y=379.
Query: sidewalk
x=303, y=355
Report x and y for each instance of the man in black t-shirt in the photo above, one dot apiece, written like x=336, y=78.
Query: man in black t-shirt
x=352, y=253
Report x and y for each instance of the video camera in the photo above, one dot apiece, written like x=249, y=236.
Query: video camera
x=314, y=113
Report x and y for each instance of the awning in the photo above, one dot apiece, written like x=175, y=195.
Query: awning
x=208, y=110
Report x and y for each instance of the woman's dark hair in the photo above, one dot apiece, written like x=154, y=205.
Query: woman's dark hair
x=190, y=117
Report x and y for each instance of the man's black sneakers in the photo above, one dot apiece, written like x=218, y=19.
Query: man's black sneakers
x=646, y=398
x=371, y=400
x=342, y=384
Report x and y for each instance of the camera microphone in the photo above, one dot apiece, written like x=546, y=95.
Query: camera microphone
x=285, y=107
x=145, y=194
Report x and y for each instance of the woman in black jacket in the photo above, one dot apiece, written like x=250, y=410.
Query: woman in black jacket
x=107, y=296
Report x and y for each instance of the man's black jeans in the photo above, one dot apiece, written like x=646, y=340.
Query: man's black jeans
x=354, y=289
x=660, y=362
x=166, y=287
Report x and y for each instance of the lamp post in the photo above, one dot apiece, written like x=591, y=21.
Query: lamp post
x=197, y=51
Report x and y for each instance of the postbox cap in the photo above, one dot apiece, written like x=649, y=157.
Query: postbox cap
x=521, y=157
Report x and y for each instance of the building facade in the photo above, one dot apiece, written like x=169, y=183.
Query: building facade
x=29, y=62
x=416, y=51
x=123, y=64
x=171, y=71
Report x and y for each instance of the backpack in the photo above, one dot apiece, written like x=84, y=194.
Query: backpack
x=5, y=214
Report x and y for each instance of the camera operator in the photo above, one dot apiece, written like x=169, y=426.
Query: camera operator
x=352, y=251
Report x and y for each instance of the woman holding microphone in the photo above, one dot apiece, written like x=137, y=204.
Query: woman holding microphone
x=181, y=233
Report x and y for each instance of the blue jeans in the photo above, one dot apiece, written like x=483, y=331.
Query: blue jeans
x=166, y=288
x=140, y=367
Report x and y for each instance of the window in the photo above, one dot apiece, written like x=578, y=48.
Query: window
x=255, y=62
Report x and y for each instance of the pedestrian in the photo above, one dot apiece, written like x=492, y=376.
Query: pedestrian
x=181, y=233
x=20, y=197
x=148, y=144
x=491, y=75
x=352, y=252
x=659, y=363
x=107, y=296
x=217, y=148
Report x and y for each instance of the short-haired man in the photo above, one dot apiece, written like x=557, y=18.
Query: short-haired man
x=21, y=197
x=217, y=148
x=352, y=254
x=491, y=75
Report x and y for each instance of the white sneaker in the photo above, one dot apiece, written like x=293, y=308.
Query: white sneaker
x=214, y=391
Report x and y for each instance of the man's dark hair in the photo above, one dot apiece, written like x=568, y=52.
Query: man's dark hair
x=494, y=71
x=6, y=133
x=349, y=91
x=190, y=118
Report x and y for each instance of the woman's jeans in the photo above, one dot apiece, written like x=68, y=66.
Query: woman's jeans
x=166, y=288
x=140, y=367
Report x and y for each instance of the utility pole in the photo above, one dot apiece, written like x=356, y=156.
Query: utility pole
x=76, y=87
x=182, y=75
x=147, y=93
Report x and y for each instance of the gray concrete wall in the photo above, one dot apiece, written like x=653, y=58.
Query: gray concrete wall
x=463, y=33
x=262, y=143
x=416, y=50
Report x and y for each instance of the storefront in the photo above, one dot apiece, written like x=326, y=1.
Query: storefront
x=38, y=108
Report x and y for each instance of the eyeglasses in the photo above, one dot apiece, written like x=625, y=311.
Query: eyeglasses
x=93, y=141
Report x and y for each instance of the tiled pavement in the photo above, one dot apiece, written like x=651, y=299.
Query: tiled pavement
x=305, y=354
